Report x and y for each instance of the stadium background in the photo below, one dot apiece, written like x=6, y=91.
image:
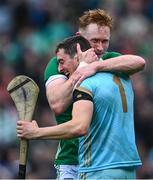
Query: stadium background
x=29, y=32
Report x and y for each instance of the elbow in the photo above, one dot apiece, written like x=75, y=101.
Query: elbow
x=57, y=109
x=142, y=63
x=56, y=105
x=80, y=131
x=138, y=65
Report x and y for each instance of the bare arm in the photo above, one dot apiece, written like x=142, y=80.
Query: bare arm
x=78, y=126
x=59, y=92
x=128, y=64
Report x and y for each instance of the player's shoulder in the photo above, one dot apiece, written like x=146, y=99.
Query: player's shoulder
x=51, y=68
x=52, y=61
x=110, y=54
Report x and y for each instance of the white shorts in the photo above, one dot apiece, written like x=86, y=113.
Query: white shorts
x=66, y=172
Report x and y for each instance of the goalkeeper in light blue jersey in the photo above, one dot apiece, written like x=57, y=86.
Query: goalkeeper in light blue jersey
x=109, y=144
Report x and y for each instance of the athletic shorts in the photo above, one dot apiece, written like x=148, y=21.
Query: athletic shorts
x=125, y=173
x=66, y=172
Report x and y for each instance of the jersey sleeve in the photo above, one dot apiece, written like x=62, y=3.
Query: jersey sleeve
x=51, y=69
x=54, y=77
x=109, y=55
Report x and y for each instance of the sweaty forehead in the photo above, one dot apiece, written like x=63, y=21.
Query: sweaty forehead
x=93, y=31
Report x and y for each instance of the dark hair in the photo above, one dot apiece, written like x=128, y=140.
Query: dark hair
x=69, y=45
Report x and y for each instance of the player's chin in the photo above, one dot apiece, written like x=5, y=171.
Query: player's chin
x=67, y=74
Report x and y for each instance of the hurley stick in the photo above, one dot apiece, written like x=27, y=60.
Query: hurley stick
x=24, y=92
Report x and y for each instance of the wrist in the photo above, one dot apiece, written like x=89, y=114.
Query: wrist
x=71, y=82
x=38, y=133
x=42, y=133
x=82, y=64
x=101, y=66
x=97, y=66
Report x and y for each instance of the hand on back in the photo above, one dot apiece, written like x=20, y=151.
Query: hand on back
x=83, y=72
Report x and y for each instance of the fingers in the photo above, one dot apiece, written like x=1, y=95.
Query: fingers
x=76, y=77
x=34, y=122
x=27, y=129
x=80, y=80
x=91, y=55
x=78, y=49
x=86, y=56
x=19, y=128
x=19, y=133
x=20, y=124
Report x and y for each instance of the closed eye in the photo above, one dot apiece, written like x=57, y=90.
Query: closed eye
x=95, y=40
x=60, y=61
x=100, y=41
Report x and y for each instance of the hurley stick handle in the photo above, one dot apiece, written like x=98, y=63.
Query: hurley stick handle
x=24, y=92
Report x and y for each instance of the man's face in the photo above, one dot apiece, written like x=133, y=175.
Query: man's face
x=66, y=64
x=98, y=36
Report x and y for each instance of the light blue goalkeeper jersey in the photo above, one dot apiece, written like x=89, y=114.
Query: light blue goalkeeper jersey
x=110, y=142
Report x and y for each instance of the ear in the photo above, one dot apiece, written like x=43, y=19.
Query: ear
x=78, y=49
x=77, y=33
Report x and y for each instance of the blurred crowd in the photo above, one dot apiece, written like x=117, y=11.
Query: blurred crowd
x=29, y=33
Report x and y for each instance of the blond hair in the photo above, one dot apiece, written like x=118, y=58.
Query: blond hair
x=97, y=16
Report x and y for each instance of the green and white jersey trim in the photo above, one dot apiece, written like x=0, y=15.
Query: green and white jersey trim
x=58, y=150
x=100, y=59
x=54, y=77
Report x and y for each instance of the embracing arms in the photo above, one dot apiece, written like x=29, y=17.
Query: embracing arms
x=128, y=64
x=59, y=91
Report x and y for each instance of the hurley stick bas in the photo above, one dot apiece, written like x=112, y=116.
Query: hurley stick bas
x=24, y=92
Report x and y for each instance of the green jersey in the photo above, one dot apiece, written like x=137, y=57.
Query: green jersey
x=67, y=153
